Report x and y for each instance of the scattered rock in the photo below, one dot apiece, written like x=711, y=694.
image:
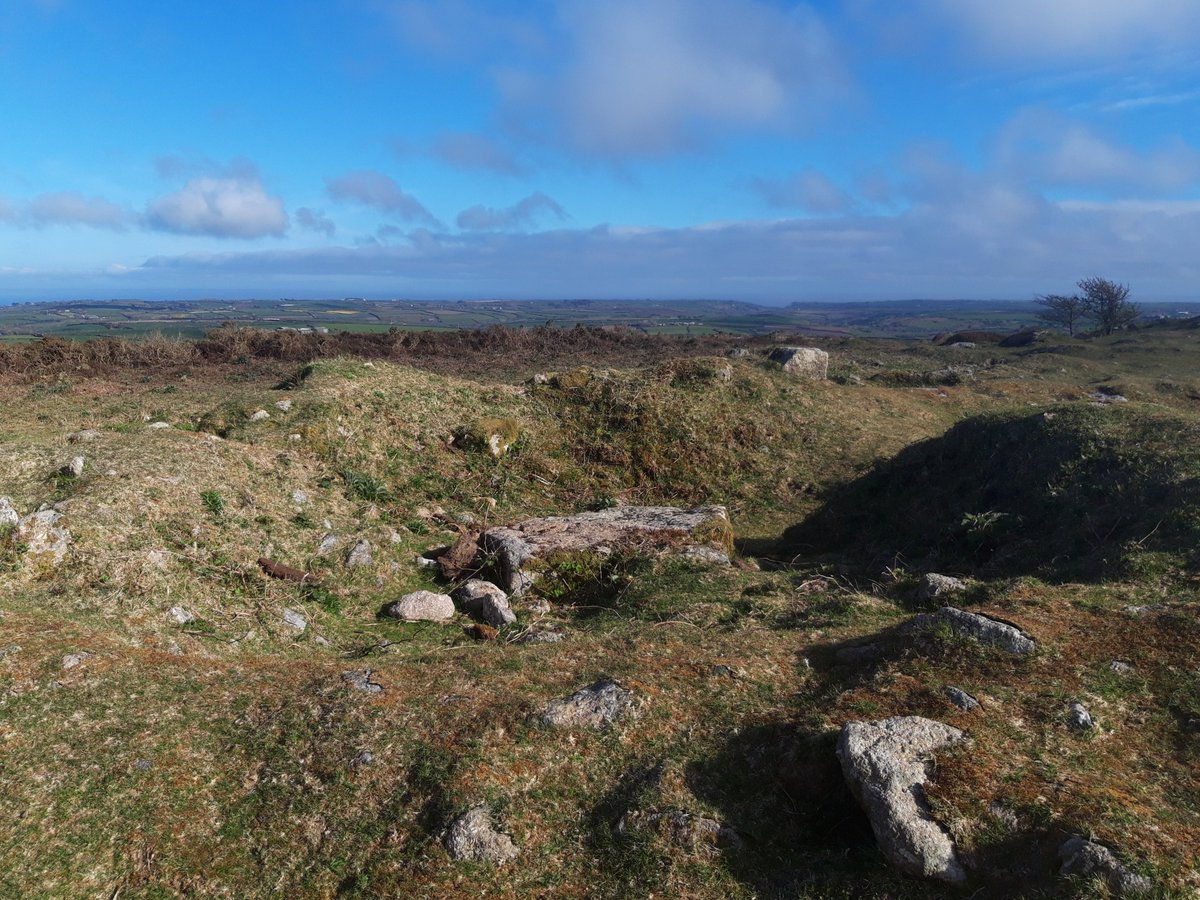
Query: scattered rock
x=259, y=415
x=83, y=437
x=960, y=698
x=299, y=498
x=363, y=758
x=8, y=514
x=803, y=362
x=283, y=405
x=1104, y=397
x=158, y=559
x=45, y=541
x=594, y=706
x=71, y=660
x=710, y=555
x=156, y=426
x=360, y=679
x=962, y=345
x=181, y=615
x=421, y=606
x=294, y=619
x=1091, y=860
x=472, y=836
x=360, y=555
x=1139, y=611
x=485, y=601
x=933, y=585
x=646, y=529
x=982, y=628
x=1078, y=717
x=723, y=671
x=426, y=563
x=737, y=353
x=1120, y=667
x=328, y=544
x=74, y=468
x=886, y=766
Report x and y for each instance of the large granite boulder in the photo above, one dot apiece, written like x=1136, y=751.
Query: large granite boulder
x=520, y=550
x=886, y=764
x=803, y=362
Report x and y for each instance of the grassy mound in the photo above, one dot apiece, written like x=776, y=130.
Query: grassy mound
x=1076, y=491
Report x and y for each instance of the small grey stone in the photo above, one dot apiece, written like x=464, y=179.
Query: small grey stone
x=737, y=353
x=426, y=563
x=1120, y=667
x=181, y=615
x=710, y=555
x=962, y=345
x=299, y=498
x=421, y=606
x=360, y=679
x=259, y=415
x=143, y=765
x=594, y=706
x=44, y=538
x=982, y=628
x=157, y=426
x=1105, y=397
x=886, y=764
x=485, y=601
x=83, y=437
x=328, y=544
x=283, y=405
x=472, y=836
x=960, y=698
x=1078, y=717
x=294, y=619
x=723, y=671
x=934, y=585
x=74, y=468
x=71, y=660
x=1091, y=860
x=360, y=555
x=364, y=758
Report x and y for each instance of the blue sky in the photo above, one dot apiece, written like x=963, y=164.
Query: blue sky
x=743, y=149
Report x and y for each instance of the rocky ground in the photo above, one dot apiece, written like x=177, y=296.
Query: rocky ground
x=905, y=620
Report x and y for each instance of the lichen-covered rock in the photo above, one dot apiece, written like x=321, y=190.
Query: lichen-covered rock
x=181, y=615
x=982, y=628
x=485, y=601
x=960, y=698
x=295, y=619
x=594, y=706
x=473, y=836
x=1091, y=860
x=74, y=468
x=361, y=680
x=85, y=436
x=803, y=362
x=933, y=585
x=9, y=517
x=46, y=542
x=360, y=555
x=886, y=765
x=644, y=529
x=421, y=606
x=1079, y=718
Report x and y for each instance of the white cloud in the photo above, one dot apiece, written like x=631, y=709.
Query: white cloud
x=231, y=205
x=482, y=218
x=66, y=208
x=1050, y=149
x=1092, y=29
x=374, y=189
x=316, y=221
x=652, y=77
x=807, y=190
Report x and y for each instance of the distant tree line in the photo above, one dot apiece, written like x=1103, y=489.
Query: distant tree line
x=1100, y=301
